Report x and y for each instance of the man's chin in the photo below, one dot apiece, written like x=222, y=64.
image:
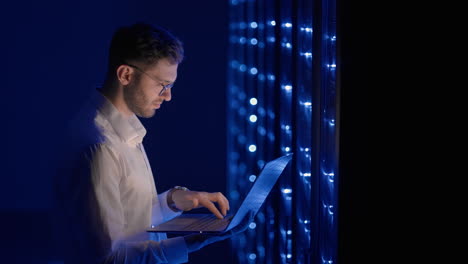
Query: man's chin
x=147, y=114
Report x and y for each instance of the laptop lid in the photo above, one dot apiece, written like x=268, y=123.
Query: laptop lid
x=260, y=189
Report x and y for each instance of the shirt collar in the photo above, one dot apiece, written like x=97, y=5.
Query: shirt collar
x=130, y=130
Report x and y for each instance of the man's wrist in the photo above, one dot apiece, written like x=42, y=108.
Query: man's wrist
x=170, y=200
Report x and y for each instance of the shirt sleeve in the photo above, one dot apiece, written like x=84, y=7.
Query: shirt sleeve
x=103, y=223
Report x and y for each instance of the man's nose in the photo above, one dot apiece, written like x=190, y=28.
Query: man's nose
x=167, y=95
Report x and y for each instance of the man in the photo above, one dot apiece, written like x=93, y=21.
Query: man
x=107, y=192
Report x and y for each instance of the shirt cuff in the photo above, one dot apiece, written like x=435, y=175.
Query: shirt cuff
x=167, y=212
x=175, y=249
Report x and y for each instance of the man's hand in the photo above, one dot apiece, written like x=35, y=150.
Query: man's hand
x=188, y=200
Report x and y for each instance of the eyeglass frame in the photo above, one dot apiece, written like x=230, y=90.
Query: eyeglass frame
x=165, y=87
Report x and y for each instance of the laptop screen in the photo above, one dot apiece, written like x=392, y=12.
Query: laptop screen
x=260, y=189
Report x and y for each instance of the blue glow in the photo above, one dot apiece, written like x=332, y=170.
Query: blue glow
x=307, y=54
x=252, y=148
x=261, y=130
x=286, y=45
x=280, y=120
x=260, y=163
x=252, y=178
x=261, y=111
x=287, y=87
x=242, y=111
x=253, y=118
x=253, y=71
x=253, y=101
x=234, y=64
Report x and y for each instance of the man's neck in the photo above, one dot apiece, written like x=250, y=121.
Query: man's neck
x=115, y=96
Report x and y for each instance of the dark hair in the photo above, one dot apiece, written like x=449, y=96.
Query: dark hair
x=143, y=43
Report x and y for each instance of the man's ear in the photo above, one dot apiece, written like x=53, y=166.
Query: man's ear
x=124, y=74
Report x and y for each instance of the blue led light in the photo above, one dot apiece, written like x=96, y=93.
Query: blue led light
x=252, y=148
x=307, y=29
x=287, y=25
x=253, y=101
x=307, y=54
x=286, y=190
x=287, y=87
x=271, y=39
x=253, y=118
x=252, y=178
x=242, y=40
x=271, y=77
x=242, y=67
x=261, y=130
x=272, y=23
x=286, y=45
x=253, y=25
x=252, y=225
x=253, y=71
x=260, y=164
x=253, y=41
x=252, y=256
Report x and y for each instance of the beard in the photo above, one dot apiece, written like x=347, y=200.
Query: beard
x=137, y=101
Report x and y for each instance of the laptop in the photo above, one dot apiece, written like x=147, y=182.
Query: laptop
x=208, y=223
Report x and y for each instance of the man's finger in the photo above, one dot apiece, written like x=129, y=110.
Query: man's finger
x=221, y=200
x=208, y=204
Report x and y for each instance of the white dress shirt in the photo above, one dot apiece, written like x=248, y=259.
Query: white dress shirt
x=109, y=193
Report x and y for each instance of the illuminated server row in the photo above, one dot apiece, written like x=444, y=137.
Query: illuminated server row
x=282, y=99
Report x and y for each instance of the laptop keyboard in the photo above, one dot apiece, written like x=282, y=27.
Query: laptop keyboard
x=209, y=222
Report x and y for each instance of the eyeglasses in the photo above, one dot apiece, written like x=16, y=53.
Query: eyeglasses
x=165, y=87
